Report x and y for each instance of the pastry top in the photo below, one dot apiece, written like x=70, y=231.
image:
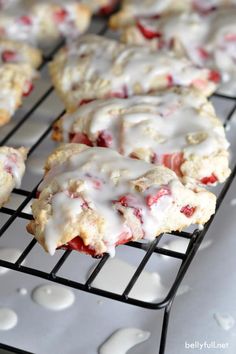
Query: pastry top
x=97, y=67
x=17, y=52
x=37, y=23
x=152, y=128
x=208, y=41
x=102, y=197
x=12, y=168
x=131, y=10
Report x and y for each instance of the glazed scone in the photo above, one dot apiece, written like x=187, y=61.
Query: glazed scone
x=17, y=52
x=97, y=67
x=12, y=169
x=208, y=41
x=15, y=82
x=178, y=129
x=44, y=23
x=131, y=10
x=93, y=199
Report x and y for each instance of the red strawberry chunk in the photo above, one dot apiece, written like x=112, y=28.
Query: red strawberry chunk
x=77, y=244
x=129, y=201
x=153, y=199
x=209, y=180
x=147, y=32
x=60, y=15
x=26, y=20
x=28, y=89
x=214, y=76
x=231, y=37
x=9, y=56
x=187, y=210
x=170, y=80
x=80, y=138
x=85, y=102
x=203, y=53
x=172, y=161
x=104, y=139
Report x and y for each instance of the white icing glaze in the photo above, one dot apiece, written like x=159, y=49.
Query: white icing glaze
x=148, y=288
x=53, y=297
x=22, y=291
x=225, y=321
x=123, y=340
x=159, y=124
x=8, y=319
x=207, y=40
x=183, y=289
x=100, y=182
x=113, y=67
x=9, y=255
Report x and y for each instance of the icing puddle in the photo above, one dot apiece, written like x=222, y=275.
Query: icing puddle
x=8, y=319
x=10, y=255
x=116, y=274
x=123, y=340
x=53, y=297
x=224, y=320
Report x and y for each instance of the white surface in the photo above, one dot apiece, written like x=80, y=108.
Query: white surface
x=10, y=255
x=83, y=327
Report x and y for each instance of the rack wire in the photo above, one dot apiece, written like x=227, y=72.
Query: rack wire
x=195, y=238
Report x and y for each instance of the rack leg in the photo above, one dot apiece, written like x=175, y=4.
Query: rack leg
x=165, y=328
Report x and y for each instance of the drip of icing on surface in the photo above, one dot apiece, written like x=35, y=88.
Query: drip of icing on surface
x=9, y=255
x=53, y=297
x=183, y=289
x=233, y=202
x=8, y=319
x=22, y=291
x=224, y=320
x=148, y=288
x=123, y=340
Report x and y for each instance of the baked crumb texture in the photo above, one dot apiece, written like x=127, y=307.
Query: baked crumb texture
x=45, y=23
x=97, y=67
x=131, y=10
x=18, y=63
x=93, y=199
x=12, y=168
x=178, y=129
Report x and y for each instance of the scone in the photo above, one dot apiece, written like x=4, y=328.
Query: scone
x=12, y=168
x=17, y=52
x=18, y=62
x=208, y=41
x=97, y=67
x=15, y=83
x=131, y=10
x=44, y=23
x=93, y=199
x=178, y=129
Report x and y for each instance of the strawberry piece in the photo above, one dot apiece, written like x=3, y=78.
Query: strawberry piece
x=214, y=76
x=231, y=37
x=60, y=15
x=121, y=94
x=203, y=53
x=148, y=33
x=85, y=102
x=104, y=139
x=153, y=199
x=9, y=56
x=129, y=201
x=172, y=161
x=170, y=80
x=25, y=20
x=188, y=211
x=209, y=180
x=123, y=238
x=28, y=89
x=77, y=244
x=80, y=138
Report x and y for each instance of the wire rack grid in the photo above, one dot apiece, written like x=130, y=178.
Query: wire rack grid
x=195, y=238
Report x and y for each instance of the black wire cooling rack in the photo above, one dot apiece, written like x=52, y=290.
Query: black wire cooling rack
x=195, y=238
